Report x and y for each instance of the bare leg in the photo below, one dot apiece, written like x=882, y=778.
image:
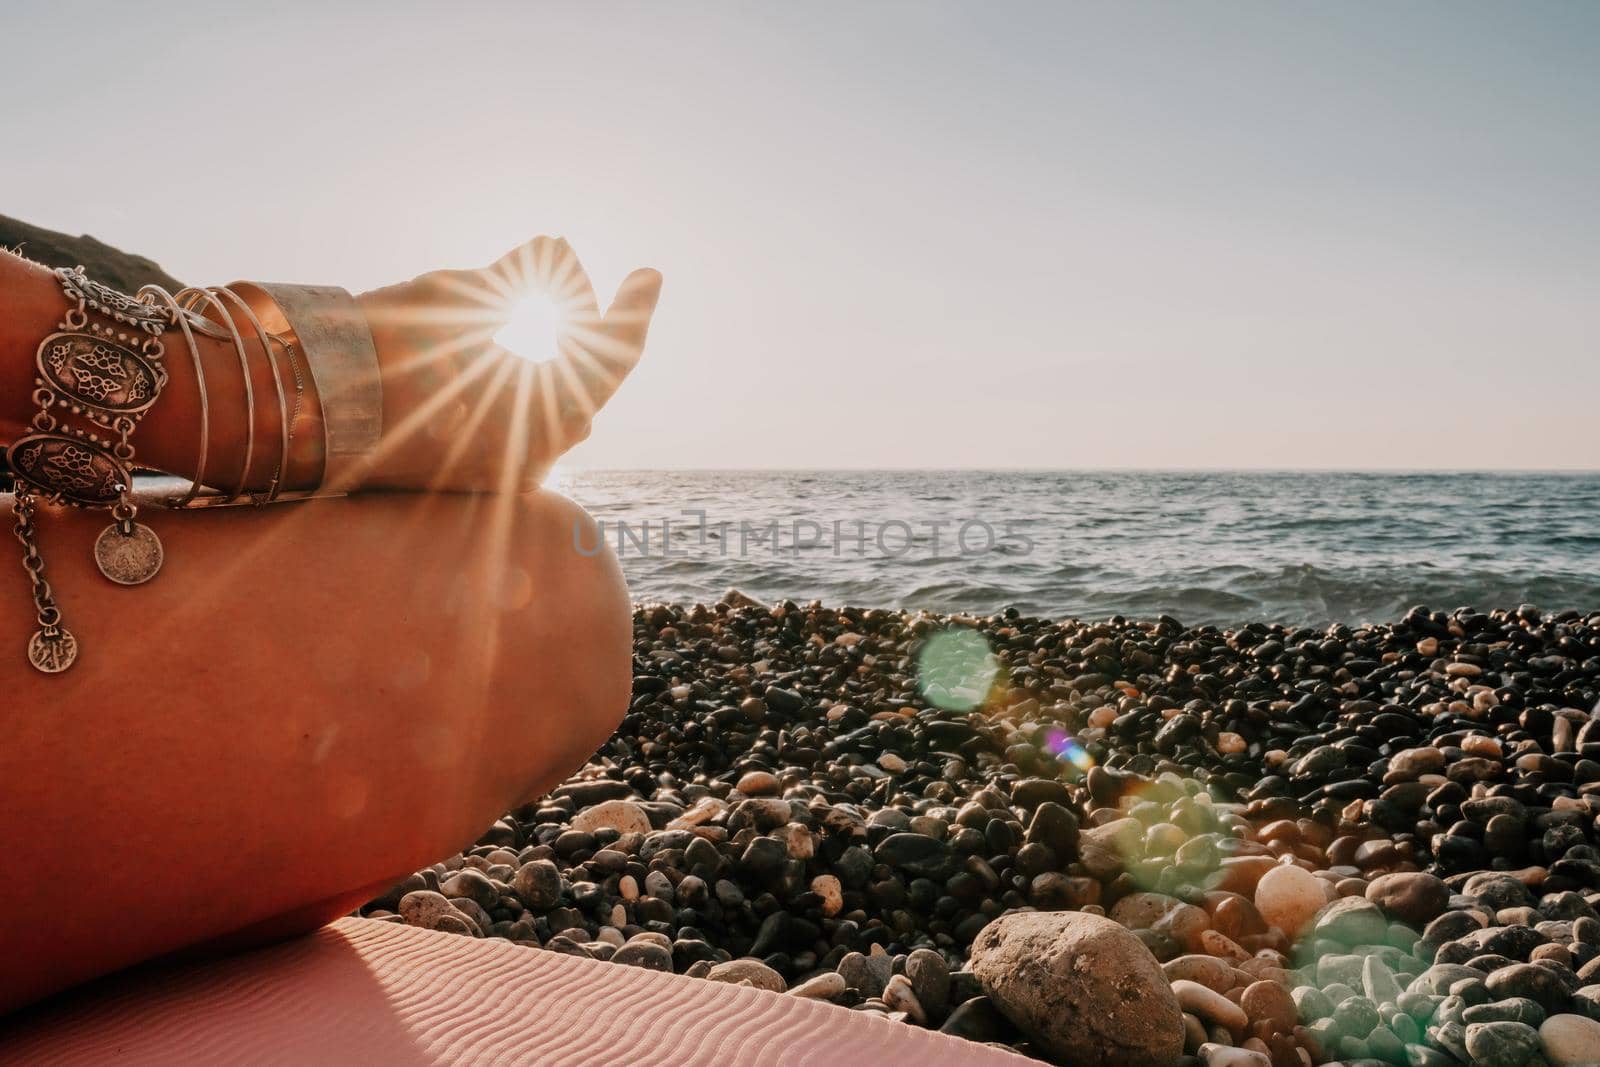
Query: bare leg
x=309, y=702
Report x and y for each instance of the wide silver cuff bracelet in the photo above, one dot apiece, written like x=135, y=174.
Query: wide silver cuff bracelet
x=333, y=335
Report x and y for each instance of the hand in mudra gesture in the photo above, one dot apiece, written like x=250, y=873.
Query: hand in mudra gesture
x=460, y=411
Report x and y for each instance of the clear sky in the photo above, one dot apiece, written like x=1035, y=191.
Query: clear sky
x=904, y=234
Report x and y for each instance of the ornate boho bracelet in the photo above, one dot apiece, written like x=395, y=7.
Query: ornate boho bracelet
x=108, y=373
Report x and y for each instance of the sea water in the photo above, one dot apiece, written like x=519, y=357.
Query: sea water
x=1205, y=547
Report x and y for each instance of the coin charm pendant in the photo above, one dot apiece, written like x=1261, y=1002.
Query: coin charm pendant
x=52, y=653
x=130, y=558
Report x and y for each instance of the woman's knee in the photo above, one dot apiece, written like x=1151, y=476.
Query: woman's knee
x=573, y=642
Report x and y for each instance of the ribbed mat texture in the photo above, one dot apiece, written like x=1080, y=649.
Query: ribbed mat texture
x=367, y=992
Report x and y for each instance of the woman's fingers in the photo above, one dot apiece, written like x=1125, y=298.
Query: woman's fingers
x=628, y=320
x=595, y=358
x=615, y=347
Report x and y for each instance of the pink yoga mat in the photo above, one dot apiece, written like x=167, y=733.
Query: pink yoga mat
x=366, y=992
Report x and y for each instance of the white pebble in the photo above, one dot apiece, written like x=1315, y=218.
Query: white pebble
x=1288, y=897
x=824, y=986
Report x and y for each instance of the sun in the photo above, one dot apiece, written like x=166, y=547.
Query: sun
x=536, y=323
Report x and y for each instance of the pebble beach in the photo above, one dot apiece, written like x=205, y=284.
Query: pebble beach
x=1127, y=843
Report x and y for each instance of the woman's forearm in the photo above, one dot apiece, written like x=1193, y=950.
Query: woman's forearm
x=458, y=412
x=168, y=439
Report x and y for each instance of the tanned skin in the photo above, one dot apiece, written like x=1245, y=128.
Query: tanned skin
x=311, y=700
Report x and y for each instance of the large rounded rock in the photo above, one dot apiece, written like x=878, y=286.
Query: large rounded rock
x=1569, y=1040
x=1083, y=988
x=1289, y=897
x=1413, y=897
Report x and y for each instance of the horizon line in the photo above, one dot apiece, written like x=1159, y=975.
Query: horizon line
x=584, y=468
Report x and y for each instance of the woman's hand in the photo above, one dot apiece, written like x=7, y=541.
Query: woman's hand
x=463, y=413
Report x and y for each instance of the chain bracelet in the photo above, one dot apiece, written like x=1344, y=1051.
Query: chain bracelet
x=109, y=375
x=52, y=648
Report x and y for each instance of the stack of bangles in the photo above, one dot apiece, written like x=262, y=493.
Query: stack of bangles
x=102, y=371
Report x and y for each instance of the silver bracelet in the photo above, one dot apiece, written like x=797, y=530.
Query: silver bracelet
x=281, y=469
x=192, y=298
x=184, y=320
x=332, y=334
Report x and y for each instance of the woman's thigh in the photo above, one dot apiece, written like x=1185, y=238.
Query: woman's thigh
x=307, y=703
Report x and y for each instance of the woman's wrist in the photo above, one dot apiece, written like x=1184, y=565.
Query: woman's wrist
x=31, y=306
x=169, y=437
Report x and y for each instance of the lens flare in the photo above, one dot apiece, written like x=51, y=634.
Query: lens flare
x=1063, y=746
x=532, y=331
x=956, y=669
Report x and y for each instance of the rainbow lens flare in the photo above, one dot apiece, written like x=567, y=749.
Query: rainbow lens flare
x=1063, y=746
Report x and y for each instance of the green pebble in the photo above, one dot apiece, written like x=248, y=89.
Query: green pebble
x=1402, y=936
x=1338, y=992
x=1353, y=1048
x=1311, y=1002
x=1385, y=1045
x=1420, y=1006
